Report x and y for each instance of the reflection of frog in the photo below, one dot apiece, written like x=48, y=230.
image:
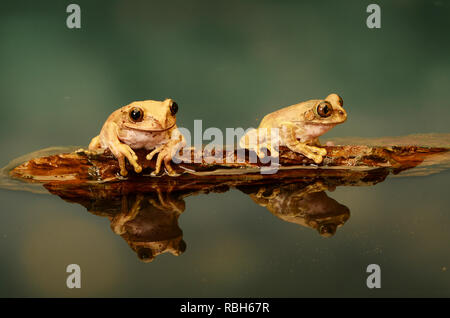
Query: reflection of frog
x=308, y=206
x=299, y=127
x=145, y=124
x=149, y=224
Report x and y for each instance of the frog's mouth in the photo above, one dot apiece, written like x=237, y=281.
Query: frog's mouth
x=147, y=129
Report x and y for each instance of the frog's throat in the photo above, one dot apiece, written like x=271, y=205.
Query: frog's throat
x=135, y=127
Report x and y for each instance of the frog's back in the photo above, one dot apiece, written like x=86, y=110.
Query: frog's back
x=288, y=113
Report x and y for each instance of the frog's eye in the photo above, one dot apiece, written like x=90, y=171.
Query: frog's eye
x=136, y=114
x=145, y=254
x=341, y=101
x=324, y=109
x=173, y=108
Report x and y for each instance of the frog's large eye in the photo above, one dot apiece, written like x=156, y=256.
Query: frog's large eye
x=173, y=108
x=341, y=101
x=136, y=114
x=324, y=109
x=145, y=254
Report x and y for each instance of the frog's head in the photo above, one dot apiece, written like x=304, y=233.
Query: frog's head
x=150, y=115
x=329, y=111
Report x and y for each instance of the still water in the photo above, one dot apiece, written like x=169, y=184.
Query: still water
x=228, y=63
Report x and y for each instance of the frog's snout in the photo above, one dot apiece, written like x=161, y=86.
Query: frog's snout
x=145, y=254
x=342, y=114
x=327, y=230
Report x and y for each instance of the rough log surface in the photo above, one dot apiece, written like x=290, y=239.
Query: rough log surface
x=79, y=167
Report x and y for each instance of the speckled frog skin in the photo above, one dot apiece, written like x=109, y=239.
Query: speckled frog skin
x=299, y=127
x=145, y=124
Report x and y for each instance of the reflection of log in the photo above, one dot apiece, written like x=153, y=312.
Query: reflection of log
x=145, y=214
x=78, y=168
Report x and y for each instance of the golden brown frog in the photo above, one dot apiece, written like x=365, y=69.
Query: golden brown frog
x=306, y=205
x=143, y=124
x=299, y=127
x=149, y=224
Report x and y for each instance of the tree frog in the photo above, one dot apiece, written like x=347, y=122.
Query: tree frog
x=299, y=127
x=145, y=124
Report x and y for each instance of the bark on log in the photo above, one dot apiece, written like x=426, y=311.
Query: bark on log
x=82, y=168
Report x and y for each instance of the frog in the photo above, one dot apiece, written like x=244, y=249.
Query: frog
x=148, y=222
x=147, y=124
x=299, y=128
x=301, y=203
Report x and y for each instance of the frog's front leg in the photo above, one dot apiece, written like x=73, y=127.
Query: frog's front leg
x=165, y=154
x=167, y=203
x=162, y=155
x=119, y=220
x=119, y=149
x=258, y=139
x=288, y=136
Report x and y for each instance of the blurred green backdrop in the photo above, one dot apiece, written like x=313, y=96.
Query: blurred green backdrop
x=226, y=62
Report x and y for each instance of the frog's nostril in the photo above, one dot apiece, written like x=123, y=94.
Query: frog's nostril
x=341, y=112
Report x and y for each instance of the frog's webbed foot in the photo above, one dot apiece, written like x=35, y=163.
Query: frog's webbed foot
x=122, y=151
x=314, y=153
x=165, y=154
x=317, y=150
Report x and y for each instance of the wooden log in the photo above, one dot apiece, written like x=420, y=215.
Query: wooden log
x=80, y=167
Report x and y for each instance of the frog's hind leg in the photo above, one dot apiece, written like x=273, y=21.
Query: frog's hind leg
x=255, y=140
x=95, y=144
x=273, y=146
x=311, y=152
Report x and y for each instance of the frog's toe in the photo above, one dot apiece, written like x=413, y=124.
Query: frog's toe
x=173, y=174
x=138, y=169
x=157, y=171
x=317, y=159
x=260, y=153
x=153, y=153
x=322, y=152
x=318, y=151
